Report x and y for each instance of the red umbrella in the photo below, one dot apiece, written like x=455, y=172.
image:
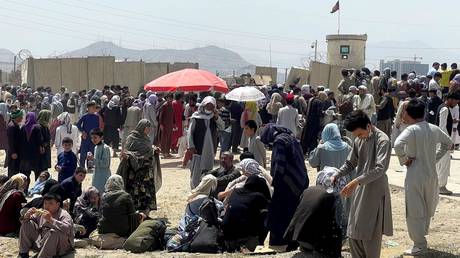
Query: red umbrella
x=188, y=80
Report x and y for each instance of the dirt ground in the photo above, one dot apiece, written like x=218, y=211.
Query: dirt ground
x=444, y=238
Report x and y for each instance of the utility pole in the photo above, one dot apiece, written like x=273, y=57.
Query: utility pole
x=270, y=50
x=316, y=49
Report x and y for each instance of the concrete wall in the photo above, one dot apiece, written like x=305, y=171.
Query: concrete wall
x=182, y=65
x=47, y=72
x=153, y=71
x=294, y=73
x=100, y=71
x=74, y=74
x=357, y=56
x=94, y=72
x=325, y=75
x=270, y=71
x=130, y=74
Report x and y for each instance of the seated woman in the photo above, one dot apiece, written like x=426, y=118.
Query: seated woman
x=332, y=151
x=243, y=224
x=315, y=224
x=87, y=211
x=118, y=213
x=40, y=183
x=11, y=200
x=248, y=167
x=192, y=211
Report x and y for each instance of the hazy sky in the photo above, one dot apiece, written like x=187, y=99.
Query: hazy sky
x=249, y=27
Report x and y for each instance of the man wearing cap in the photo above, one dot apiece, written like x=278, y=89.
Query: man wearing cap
x=288, y=116
x=13, y=133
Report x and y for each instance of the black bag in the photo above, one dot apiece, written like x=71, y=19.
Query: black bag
x=209, y=212
x=207, y=239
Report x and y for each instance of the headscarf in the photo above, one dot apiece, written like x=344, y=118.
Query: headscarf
x=65, y=120
x=207, y=185
x=17, y=113
x=257, y=184
x=201, y=114
x=114, y=102
x=44, y=118
x=250, y=106
x=138, y=142
x=322, y=96
x=45, y=103
x=324, y=176
x=305, y=90
x=56, y=106
x=411, y=76
x=250, y=166
x=387, y=73
x=4, y=112
x=31, y=121
x=276, y=97
x=83, y=201
x=152, y=100
x=271, y=131
x=11, y=186
x=114, y=183
x=332, y=138
x=457, y=78
x=57, y=98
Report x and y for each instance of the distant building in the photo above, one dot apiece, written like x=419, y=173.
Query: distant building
x=405, y=66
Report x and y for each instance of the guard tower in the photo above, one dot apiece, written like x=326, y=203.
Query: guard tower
x=346, y=50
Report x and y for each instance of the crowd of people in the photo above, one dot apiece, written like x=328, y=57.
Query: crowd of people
x=348, y=137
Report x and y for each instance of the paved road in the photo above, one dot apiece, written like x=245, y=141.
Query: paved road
x=397, y=178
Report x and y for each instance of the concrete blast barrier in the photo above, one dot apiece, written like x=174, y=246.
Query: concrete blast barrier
x=100, y=71
x=130, y=74
x=47, y=72
x=325, y=75
x=74, y=73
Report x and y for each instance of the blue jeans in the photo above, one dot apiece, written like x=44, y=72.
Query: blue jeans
x=225, y=141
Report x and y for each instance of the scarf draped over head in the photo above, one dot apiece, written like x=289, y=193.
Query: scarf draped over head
x=114, y=102
x=457, y=78
x=114, y=183
x=207, y=185
x=17, y=113
x=138, y=142
x=412, y=76
x=250, y=166
x=84, y=200
x=276, y=97
x=324, y=176
x=251, y=110
x=387, y=72
x=257, y=184
x=332, y=139
x=44, y=117
x=4, y=112
x=56, y=98
x=201, y=114
x=305, y=89
x=271, y=131
x=31, y=121
x=64, y=118
x=11, y=186
x=152, y=101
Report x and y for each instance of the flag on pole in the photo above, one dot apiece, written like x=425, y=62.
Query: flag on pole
x=336, y=7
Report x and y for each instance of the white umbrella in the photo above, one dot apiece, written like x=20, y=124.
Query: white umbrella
x=246, y=93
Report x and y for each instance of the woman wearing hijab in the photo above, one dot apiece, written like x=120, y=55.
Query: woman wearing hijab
x=4, y=120
x=202, y=137
x=67, y=129
x=87, y=210
x=313, y=117
x=150, y=113
x=331, y=151
x=290, y=179
x=243, y=224
x=140, y=168
x=31, y=140
x=251, y=112
x=274, y=105
x=11, y=200
x=119, y=215
x=112, y=123
x=455, y=84
x=44, y=162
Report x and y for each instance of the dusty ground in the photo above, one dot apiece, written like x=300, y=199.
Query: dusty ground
x=444, y=237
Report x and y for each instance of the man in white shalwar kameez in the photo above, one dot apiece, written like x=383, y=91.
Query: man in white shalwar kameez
x=446, y=122
x=416, y=145
x=202, y=138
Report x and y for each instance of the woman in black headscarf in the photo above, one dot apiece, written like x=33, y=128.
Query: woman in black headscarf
x=139, y=168
x=243, y=224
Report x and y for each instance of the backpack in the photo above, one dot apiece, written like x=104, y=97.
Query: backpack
x=149, y=236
